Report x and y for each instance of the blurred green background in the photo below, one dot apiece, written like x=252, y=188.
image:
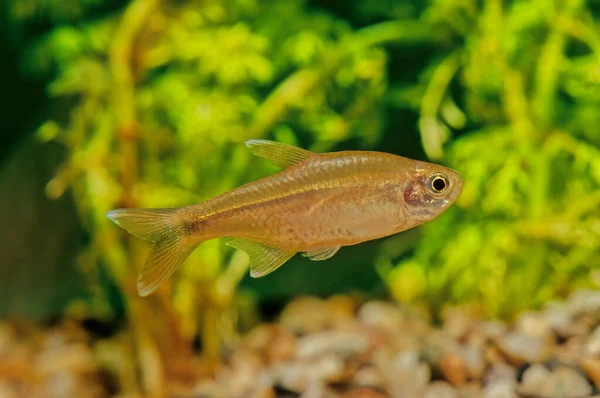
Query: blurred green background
x=147, y=103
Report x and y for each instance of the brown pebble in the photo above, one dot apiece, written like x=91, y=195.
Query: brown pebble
x=283, y=347
x=363, y=392
x=261, y=336
x=591, y=367
x=275, y=342
x=306, y=315
x=571, y=351
x=492, y=355
x=454, y=369
x=341, y=308
x=265, y=393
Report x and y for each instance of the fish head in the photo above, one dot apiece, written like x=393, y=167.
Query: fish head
x=430, y=189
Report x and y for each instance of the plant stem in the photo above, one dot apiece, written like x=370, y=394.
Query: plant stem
x=550, y=66
x=433, y=133
x=126, y=131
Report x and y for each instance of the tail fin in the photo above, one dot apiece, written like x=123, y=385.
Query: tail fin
x=164, y=228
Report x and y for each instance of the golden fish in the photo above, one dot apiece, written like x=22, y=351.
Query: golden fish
x=319, y=203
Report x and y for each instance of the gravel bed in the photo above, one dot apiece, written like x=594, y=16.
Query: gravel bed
x=341, y=347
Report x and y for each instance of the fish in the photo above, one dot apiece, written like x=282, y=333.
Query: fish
x=317, y=203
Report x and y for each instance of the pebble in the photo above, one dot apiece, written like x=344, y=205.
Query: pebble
x=275, y=341
x=458, y=321
x=501, y=372
x=536, y=380
x=369, y=376
x=343, y=344
x=440, y=389
x=591, y=367
x=592, y=347
x=563, y=382
x=500, y=389
x=570, y=384
x=342, y=311
x=59, y=362
x=305, y=315
x=454, y=369
x=406, y=375
x=382, y=315
x=584, y=301
x=283, y=348
x=241, y=377
x=534, y=324
x=337, y=349
x=523, y=348
x=363, y=392
x=493, y=355
x=493, y=330
x=293, y=376
x=209, y=388
x=470, y=390
x=8, y=391
x=562, y=321
x=7, y=337
x=267, y=392
x=434, y=345
x=474, y=361
x=298, y=375
x=571, y=351
x=315, y=390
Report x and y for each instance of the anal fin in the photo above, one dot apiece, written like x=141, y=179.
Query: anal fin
x=322, y=254
x=264, y=259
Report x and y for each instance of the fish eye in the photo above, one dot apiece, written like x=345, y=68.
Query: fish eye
x=437, y=183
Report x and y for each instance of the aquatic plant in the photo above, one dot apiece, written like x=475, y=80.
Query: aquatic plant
x=161, y=96
x=518, y=84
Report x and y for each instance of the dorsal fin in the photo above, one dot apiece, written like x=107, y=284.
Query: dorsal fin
x=283, y=155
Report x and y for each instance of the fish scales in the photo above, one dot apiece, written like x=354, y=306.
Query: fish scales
x=308, y=206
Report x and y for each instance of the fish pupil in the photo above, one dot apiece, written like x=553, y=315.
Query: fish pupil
x=439, y=184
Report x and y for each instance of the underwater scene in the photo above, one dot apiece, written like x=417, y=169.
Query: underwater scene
x=300, y=199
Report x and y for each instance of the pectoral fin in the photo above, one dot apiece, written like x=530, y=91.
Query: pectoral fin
x=264, y=259
x=282, y=155
x=321, y=254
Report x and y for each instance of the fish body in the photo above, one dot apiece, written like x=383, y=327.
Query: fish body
x=317, y=204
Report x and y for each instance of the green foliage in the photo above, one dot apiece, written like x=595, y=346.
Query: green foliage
x=161, y=97
x=526, y=228
x=57, y=11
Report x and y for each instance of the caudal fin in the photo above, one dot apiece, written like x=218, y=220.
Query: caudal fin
x=164, y=228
